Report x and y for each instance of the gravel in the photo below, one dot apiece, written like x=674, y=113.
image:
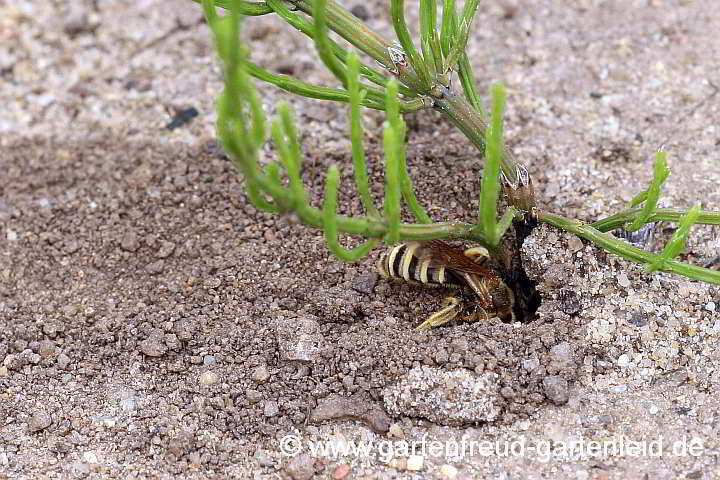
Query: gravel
x=39, y=421
x=556, y=389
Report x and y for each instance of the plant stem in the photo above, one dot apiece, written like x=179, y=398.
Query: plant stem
x=293, y=85
x=397, y=12
x=252, y=9
x=472, y=124
x=659, y=215
x=625, y=250
x=356, y=32
x=307, y=28
x=352, y=29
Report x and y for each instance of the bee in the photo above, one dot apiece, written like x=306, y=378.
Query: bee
x=435, y=263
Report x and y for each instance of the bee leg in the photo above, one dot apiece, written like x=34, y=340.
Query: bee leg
x=452, y=307
x=477, y=315
x=477, y=254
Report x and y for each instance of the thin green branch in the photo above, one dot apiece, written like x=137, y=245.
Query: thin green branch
x=652, y=194
x=397, y=12
x=400, y=129
x=330, y=222
x=490, y=186
x=619, y=220
x=299, y=87
x=432, y=51
x=324, y=49
x=322, y=43
x=284, y=131
x=462, y=33
x=429, y=59
x=447, y=31
x=356, y=136
x=392, y=207
x=358, y=34
x=288, y=121
x=473, y=125
x=676, y=244
x=273, y=172
x=467, y=78
x=301, y=24
x=353, y=30
x=250, y=9
x=428, y=19
x=625, y=250
x=238, y=94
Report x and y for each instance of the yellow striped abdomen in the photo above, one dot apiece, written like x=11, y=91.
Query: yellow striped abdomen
x=402, y=261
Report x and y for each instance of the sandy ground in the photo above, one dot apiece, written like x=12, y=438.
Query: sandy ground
x=154, y=325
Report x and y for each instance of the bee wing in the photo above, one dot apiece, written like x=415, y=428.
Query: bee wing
x=441, y=253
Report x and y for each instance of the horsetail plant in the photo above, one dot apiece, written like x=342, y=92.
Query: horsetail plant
x=418, y=79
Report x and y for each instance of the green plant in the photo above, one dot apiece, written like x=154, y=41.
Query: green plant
x=418, y=79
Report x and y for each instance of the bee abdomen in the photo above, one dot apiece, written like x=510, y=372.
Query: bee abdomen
x=401, y=261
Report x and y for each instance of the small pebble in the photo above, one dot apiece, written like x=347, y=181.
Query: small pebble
x=39, y=421
x=360, y=11
x=46, y=348
x=396, y=431
x=155, y=268
x=562, y=355
x=710, y=306
x=154, y=346
x=365, y=283
x=129, y=241
x=11, y=362
x=166, y=249
x=341, y=472
x=63, y=361
x=582, y=475
x=653, y=409
x=623, y=280
x=263, y=458
x=90, y=457
x=76, y=21
x=300, y=467
x=575, y=244
x=80, y=468
x=253, y=396
x=271, y=408
x=556, y=389
x=639, y=319
x=209, y=378
x=448, y=472
x=415, y=463
x=623, y=360
x=209, y=360
x=357, y=407
x=261, y=374
x=107, y=422
x=128, y=404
